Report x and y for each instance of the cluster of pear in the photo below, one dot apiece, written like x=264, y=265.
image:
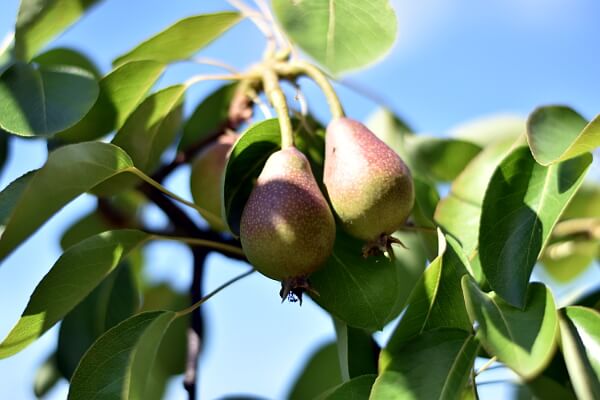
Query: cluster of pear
x=288, y=229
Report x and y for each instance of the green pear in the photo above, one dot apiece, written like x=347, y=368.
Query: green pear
x=287, y=229
x=205, y=179
x=369, y=186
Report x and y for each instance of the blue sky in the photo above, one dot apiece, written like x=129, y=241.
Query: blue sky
x=454, y=61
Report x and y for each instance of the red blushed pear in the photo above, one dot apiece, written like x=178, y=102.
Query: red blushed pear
x=369, y=186
x=287, y=229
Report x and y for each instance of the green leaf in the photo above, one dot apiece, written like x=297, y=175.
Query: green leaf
x=76, y=273
x=490, y=129
x=426, y=201
x=441, y=159
x=182, y=39
x=367, y=293
x=521, y=206
x=459, y=213
x=340, y=34
x=585, y=203
x=10, y=195
x=118, y=364
x=39, y=21
x=66, y=56
x=70, y=171
x=580, y=340
x=524, y=340
x=434, y=365
x=41, y=101
x=357, y=388
x=248, y=156
x=171, y=355
x=152, y=127
x=565, y=260
x=320, y=373
x=46, y=377
x=558, y=133
x=113, y=301
x=436, y=301
x=357, y=351
x=120, y=93
x=209, y=117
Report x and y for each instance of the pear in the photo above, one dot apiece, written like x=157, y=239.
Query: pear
x=205, y=179
x=287, y=229
x=369, y=186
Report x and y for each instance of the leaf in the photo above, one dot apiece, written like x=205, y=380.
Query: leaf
x=521, y=206
x=524, y=340
x=39, y=21
x=459, y=213
x=426, y=201
x=441, y=159
x=10, y=195
x=76, y=273
x=490, y=129
x=367, y=293
x=120, y=93
x=118, y=364
x=580, y=340
x=435, y=302
x=113, y=301
x=248, y=156
x=558, y=133
x=340, y=34
x=70, y=171
x=434, y=365
x=182, y=39
x=46, y=377
x=320, y=373
x=388, y=127
x=357, y=351
x=65, y=56
x=209, y=117
x=585, y=203
x=41, y=101
x=566, y=260
x=357, y=388
x=151, y=128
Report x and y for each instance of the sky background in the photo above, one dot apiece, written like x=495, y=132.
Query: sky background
x=454, y=60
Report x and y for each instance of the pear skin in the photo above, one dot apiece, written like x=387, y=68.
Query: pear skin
x=369, y=186
x=287, y=229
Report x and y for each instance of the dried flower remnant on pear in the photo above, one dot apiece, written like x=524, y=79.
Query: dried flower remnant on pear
x=287, y=229
x=369, y=186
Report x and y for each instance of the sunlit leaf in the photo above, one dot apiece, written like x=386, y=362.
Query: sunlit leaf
x=66, y=56
x=357, y=388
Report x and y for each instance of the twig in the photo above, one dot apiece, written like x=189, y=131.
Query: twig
x=486, y=365
x=260, y=21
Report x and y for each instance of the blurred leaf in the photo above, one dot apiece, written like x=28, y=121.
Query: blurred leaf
x=566, y=260
x=248, y=157
x=320, y=373
x=367, y=293
x=41, y=101
x=357, y=351
x=114, y=300
x=580, y=341
x=391, y=129
x=357, y=388
x=46, y=377
x=558, y=133
x=490, y=129
x=171, y=355
x=585, y=203
x=441, y=159
x=70, y=171
x=76, y=273
x=152, y=127
x=39, y=21
x=10, y=196
x=341, y=35
x=182, y=39
x=118, y=364
x=522, y=204
x=524, y=340
x=434, y=365
x=436, y=301
x=209, y=117
x=120, y=93
x=65, y=56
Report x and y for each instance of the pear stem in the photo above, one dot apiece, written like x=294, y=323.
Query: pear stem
x=279, y=103
x=295, y=68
